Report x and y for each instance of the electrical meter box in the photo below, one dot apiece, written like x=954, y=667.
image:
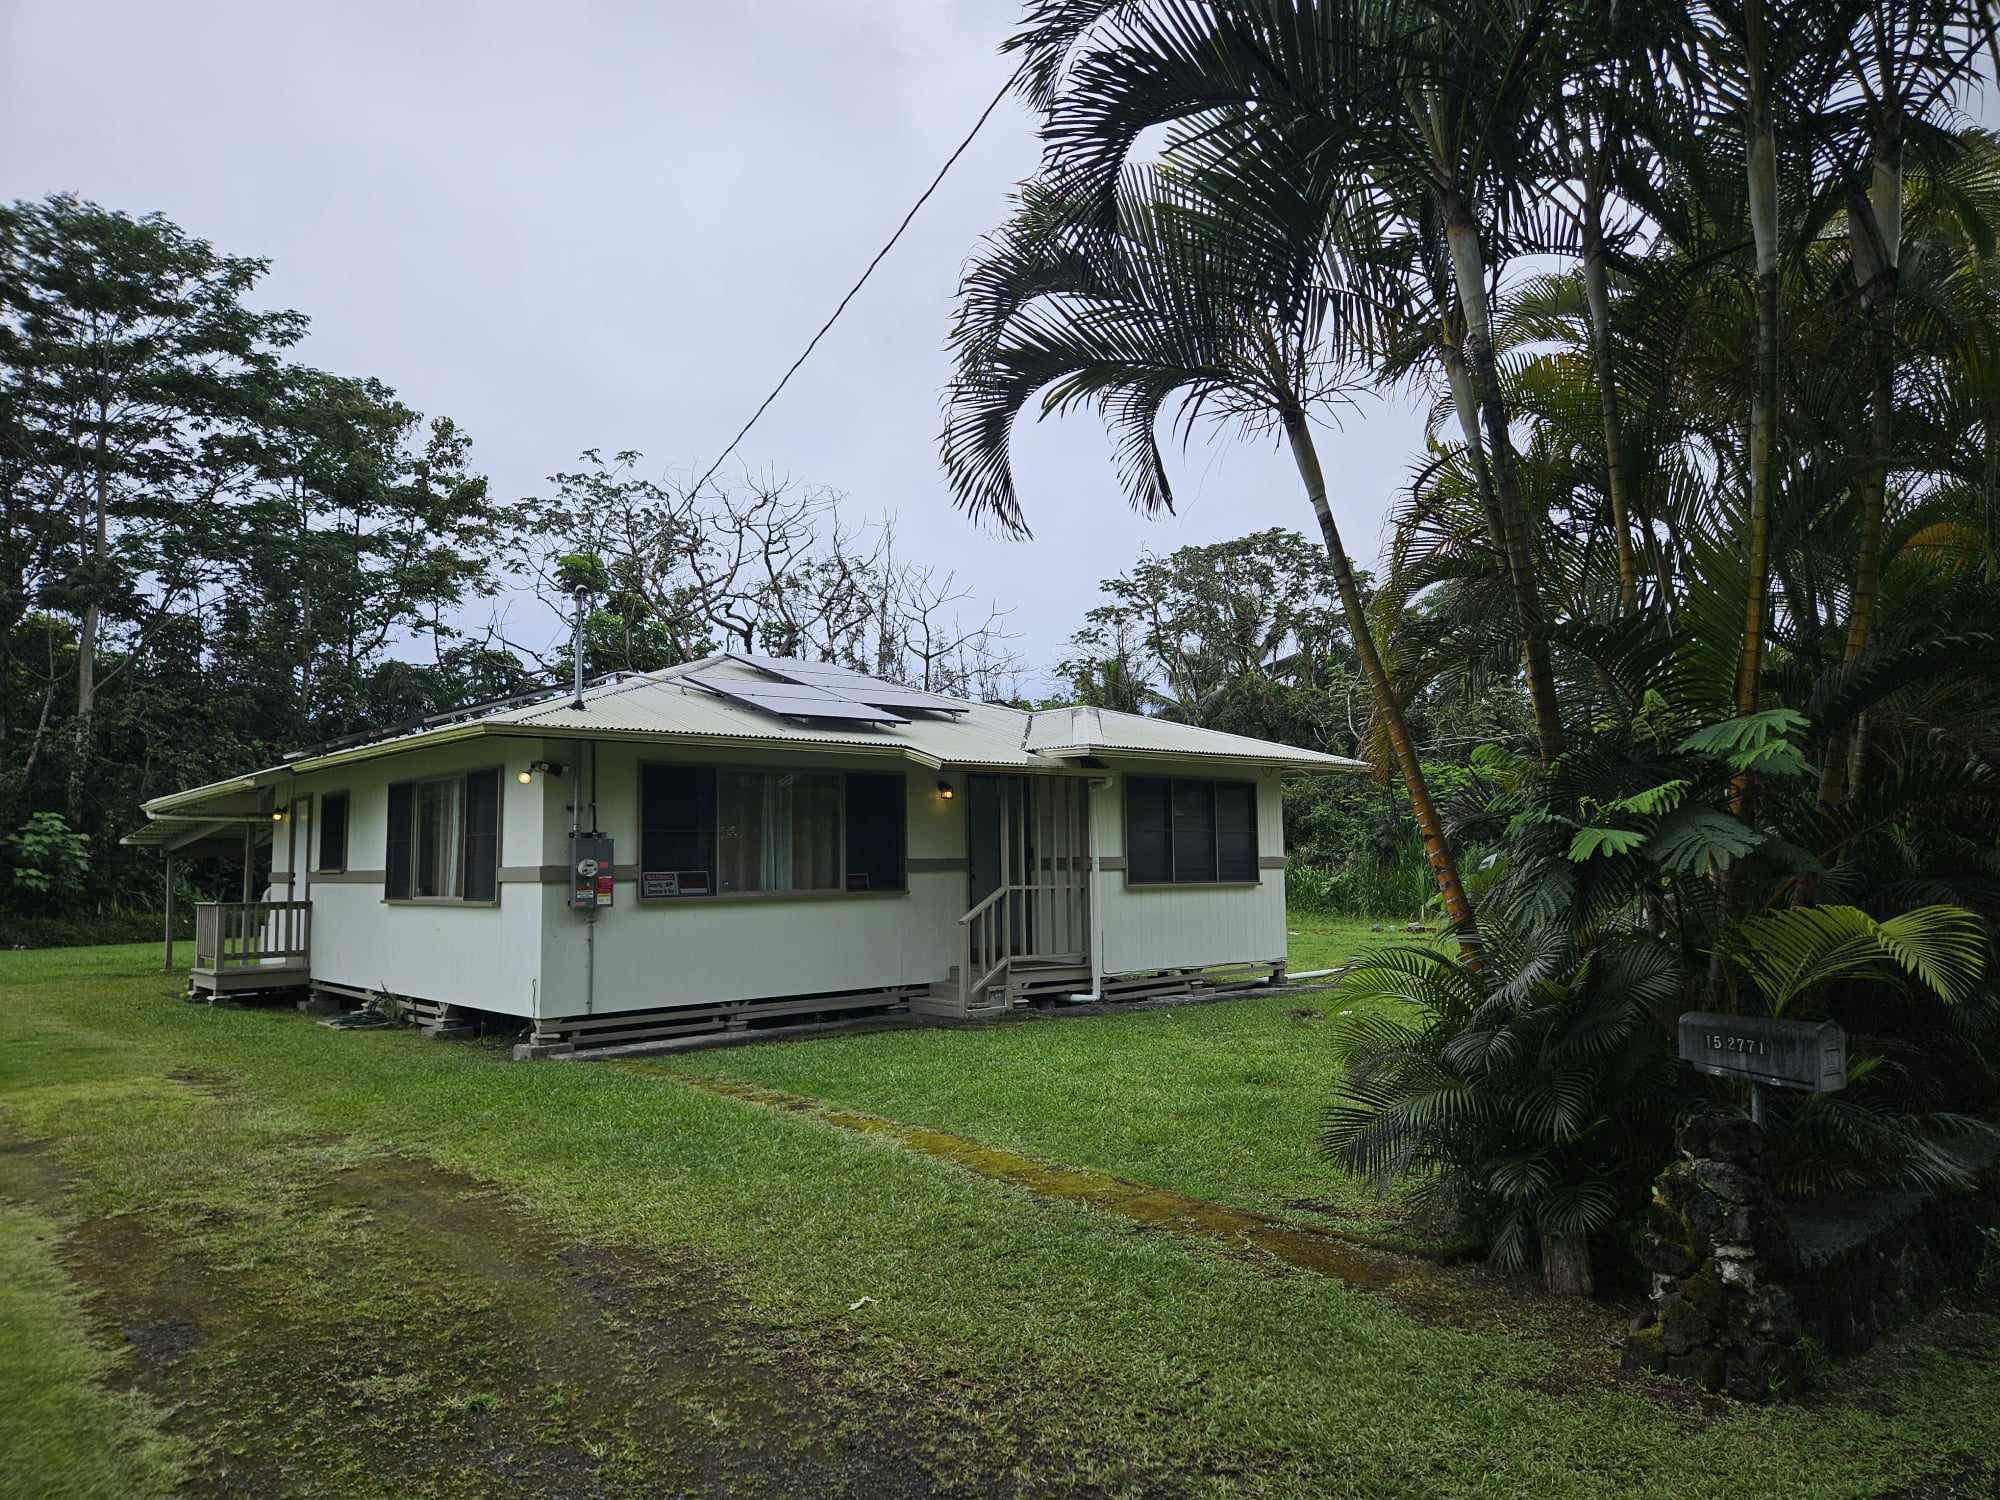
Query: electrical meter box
x=589, y=871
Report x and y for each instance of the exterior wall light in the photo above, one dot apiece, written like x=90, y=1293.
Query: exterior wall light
x=525, y=777
x=546, y=767
x=945, y=790
x=278, y=816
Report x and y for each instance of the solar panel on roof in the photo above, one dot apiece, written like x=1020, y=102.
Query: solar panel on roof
x=848, y=683
x=797, y=700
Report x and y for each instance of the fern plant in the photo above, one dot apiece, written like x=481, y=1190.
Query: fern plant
x=1537, y=1091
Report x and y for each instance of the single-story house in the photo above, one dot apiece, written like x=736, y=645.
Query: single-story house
x=745, y=837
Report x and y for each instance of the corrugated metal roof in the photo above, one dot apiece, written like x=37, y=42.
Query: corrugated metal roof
x=164, y=830
x=663, y=703
x=983, y=736
x=1098, y=731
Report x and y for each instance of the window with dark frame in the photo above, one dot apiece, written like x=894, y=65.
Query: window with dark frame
x=444, y=839
x=1181, y=831
x=707, y=831
x=875, y=813
x=333, y=831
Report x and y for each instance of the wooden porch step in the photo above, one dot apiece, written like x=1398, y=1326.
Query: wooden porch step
x=1029, y=981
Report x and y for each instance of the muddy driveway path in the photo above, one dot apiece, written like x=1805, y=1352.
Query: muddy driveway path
x=374, y=1325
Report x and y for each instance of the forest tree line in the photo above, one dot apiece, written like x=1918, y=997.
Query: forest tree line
x=215, y=554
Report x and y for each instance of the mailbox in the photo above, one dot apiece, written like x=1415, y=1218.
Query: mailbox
x=1808, y=1055
x=589, y=871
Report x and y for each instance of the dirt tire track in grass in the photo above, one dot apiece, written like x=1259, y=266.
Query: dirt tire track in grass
x=431, y=1340
x=1445, y=1294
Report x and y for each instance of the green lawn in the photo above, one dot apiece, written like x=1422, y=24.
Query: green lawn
x=1217, y=1100
x=62, y=1432
x=1319, y=942
x=224, y=1170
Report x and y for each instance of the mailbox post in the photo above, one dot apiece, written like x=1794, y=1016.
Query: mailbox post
x=1809, y=1055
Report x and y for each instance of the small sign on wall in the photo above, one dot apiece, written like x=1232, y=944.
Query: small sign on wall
x=664, y=885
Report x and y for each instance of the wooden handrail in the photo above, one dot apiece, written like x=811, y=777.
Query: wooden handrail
x=245, y=934
x=990, y=937
x=1015, y=890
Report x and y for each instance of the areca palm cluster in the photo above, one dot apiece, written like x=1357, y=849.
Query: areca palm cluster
x=1705, y=304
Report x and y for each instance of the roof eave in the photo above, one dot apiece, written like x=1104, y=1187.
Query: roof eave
x=251, y=781
x=1332, y=765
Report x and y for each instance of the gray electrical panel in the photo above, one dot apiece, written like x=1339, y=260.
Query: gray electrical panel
x=589, y=871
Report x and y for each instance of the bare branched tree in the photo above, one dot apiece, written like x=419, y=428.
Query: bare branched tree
x=769, y=565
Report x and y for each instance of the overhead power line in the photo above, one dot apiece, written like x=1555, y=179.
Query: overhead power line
x=806, y=353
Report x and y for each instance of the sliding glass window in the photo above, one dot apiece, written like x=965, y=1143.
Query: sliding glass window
x=726, y=831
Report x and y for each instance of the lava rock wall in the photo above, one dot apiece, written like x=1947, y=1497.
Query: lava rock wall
x=1745, y=1285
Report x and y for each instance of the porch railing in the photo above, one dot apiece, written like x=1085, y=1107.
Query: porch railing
x=1029, y=920
x=252, y=934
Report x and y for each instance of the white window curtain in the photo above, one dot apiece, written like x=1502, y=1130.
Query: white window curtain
x=739, y=844
x=777, y=842
x=815, y=832
x=440, y=838
x=777, y=831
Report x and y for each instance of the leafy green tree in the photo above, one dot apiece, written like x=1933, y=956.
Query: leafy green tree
x=128, y=346
x=211, y=556
x=50, y=859
x=1211, y=623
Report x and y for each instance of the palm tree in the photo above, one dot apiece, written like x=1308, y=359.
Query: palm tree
x=1905, y=59
x=1428, y=107
x=1173, y=306
x=1723, y=486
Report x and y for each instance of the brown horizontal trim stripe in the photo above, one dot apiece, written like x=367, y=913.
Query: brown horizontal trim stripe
x=729, y=896
x=1111, y=862
x=555, y=874
x=1270, y=861
x=347, y=877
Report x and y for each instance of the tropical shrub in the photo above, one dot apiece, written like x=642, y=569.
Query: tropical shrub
x=50, y=859
x=1537, y=1091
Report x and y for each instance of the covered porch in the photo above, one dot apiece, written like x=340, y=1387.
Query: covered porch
x=246, y=946
x=239, y=946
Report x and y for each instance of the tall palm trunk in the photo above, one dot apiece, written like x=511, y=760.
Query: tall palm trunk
x=1430, y=827
x=1597, y=292
x=1466, y=404
x=1877, y=238
x=1763, y=187
x=1469, y=272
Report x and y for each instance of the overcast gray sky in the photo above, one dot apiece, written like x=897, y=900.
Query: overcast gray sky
x=613, y=225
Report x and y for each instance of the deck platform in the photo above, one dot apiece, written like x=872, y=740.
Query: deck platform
x=244, y=948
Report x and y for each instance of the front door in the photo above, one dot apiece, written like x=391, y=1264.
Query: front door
x=999, y=851
x=987, y=827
